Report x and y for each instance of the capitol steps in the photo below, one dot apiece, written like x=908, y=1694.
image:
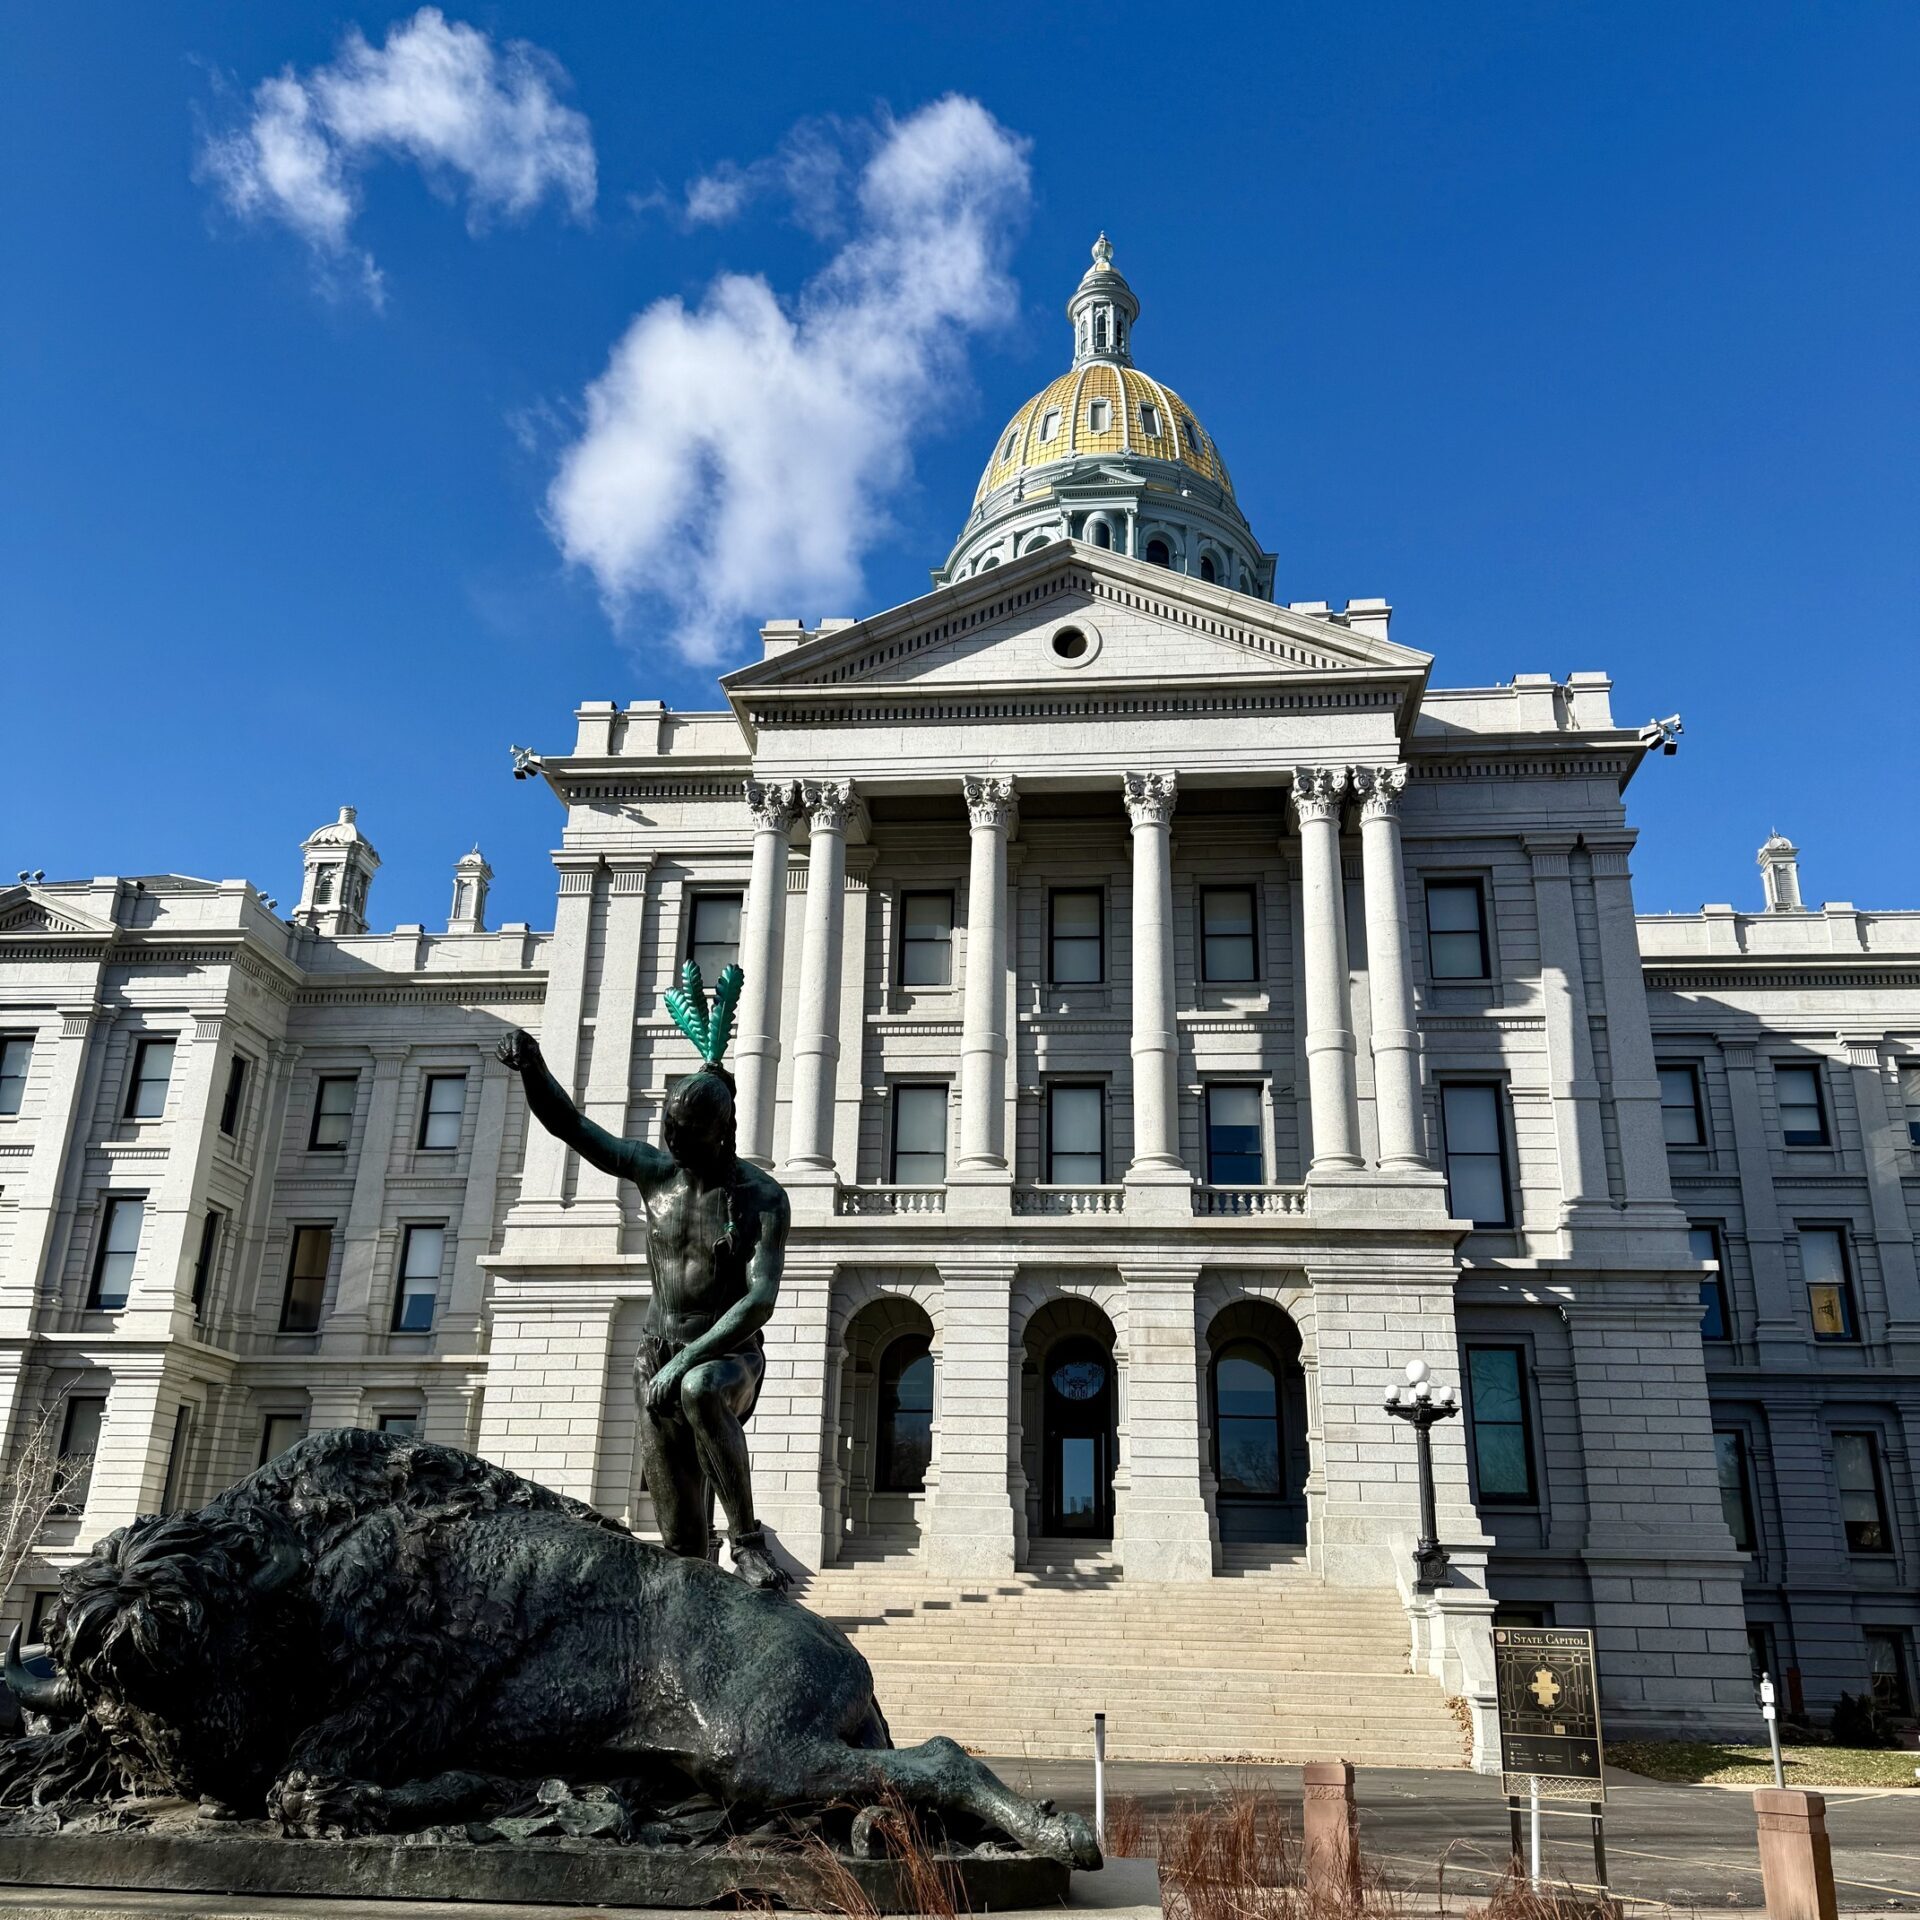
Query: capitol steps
x=1262, y=1663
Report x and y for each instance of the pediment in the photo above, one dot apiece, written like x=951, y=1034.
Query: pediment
x=23, y=911
x=1141, y=624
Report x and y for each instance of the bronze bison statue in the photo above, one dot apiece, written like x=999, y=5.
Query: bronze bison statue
x=373, y=1633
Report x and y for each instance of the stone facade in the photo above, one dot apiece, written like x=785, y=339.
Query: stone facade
x=1147, y=985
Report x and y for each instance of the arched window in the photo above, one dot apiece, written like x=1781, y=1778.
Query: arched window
x=1050, y=423
x=1038, y=541
x=906, y=1415
x=1099, y=416
x=1100, y=534
x=1246, y=1422
x=323, y=886
x=1159, y=554
x=1207, y=569
x=1100, y=330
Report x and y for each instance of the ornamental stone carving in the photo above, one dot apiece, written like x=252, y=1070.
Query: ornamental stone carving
x=1317, y=792
x=773, y=803
x=1150, y=797
x=829, y=804
x=1379, y=789
x=991, y=799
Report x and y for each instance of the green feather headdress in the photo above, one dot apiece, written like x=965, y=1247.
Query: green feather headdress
x=708, y=1030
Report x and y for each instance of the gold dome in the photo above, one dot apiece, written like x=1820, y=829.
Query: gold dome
x=1139, y=417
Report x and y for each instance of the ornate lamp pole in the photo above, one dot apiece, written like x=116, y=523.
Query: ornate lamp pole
x=1423, y=1405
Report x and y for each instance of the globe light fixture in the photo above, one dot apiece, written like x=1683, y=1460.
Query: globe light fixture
x=1422, y=1404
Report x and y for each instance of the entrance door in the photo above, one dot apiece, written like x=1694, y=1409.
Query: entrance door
x=1078, y=1436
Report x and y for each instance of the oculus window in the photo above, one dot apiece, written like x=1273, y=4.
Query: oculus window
x=906, y=1414
x=1076, y=1137
x=713, y=935
x=152, y=1069
x=421, y=1255
x=440, y=1112
x=1226, y=934
x=1476, y=1155
x=1736, y=1503
x=1502, y=1431
x=306, y=1278
x=1681, y=1121
x=1823, y=1260
x=1456, y=930
x=1703, y=1241
x=1076, y=950
x=1863, y=1509
x=113, y=1262
x=333, y=1113
x=16, y=1050
x=1803, y=1114
x=926, y=939
x=919, y=1136
x=1234, y=1156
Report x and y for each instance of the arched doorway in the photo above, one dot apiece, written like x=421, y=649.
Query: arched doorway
x=888, y=1432
x=1257, y=1406
x=1078, y=1440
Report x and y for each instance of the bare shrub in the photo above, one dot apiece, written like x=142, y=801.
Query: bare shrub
x=33, y=1489
x=1130, y=1834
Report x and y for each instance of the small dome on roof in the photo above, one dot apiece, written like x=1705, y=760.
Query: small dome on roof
x=343, y=832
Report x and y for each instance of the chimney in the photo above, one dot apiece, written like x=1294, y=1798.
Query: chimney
x=1780, y=874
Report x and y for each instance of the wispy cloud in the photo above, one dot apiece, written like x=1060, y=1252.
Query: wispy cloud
x=736, y=453
x=480, y=120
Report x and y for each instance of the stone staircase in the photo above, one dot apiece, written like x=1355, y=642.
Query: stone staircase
x=1262, y=1663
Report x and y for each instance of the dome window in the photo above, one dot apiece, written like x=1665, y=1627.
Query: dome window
x=1190, y=433
x=1150, y=419
x=1101, y=329
x=1159, y=554
x=1012, y=441
x=1207, y=569
x=1100, y=534
x=1100, y=417
x=1050, y=424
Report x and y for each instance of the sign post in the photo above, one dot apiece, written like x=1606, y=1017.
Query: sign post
x=1772, y=1715
x=1549, y=1704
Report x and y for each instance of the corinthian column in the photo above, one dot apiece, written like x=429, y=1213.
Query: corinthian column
x=816, y=1042
x=1396, y=1055
x=1156, y=1144
x=756, y=1053
x=1330, y=1078
x=983, y=1033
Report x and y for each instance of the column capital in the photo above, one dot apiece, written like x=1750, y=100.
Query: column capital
x=629, y=872
x=830, y=804
x=773, y=804
x=577, y=871
x=1550, y=853
x=992, y=799
x=1317, y=792
x=1379, y=789
x=1150, y=797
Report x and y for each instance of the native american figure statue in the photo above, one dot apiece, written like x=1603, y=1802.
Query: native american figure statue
x=716, y=1242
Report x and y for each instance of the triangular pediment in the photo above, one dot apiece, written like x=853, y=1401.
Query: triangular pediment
x=1138, y=624
x=23, y=911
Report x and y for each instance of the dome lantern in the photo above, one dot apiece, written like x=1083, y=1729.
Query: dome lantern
x=1103, y=310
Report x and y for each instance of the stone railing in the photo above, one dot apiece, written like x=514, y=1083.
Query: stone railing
x=857, y=1202
x=1229, y=1203
x=1069, y=1200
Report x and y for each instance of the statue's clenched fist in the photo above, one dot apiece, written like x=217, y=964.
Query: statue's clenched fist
x=519, y=1049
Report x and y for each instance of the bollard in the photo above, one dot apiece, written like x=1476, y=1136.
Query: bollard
x=1331, y=1830
x=1796, y=1863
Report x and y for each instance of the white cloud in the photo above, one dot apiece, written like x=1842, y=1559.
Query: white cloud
x=736, y=453
x=474, y=117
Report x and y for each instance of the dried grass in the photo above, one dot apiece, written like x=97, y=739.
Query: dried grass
x=929, y=1881
x=1130, y=1834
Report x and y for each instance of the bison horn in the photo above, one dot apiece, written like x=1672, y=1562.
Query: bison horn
x=57, y=1699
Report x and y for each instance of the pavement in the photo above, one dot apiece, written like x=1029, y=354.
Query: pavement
x=1446, y=1833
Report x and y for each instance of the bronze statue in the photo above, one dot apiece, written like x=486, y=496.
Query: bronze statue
x=716, y=1242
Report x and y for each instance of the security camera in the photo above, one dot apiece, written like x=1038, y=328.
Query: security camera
x=1664, y=734
x=526, y=763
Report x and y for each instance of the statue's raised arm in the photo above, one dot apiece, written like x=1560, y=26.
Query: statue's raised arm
x=625, y=1159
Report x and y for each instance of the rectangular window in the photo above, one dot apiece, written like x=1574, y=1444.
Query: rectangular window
x=16, y=1050
x=1502, y=1432
x=1680, y=1117
x=233, y=1103
x=1476, y=1155
x=1863, y=1510
x=926, y=939
x=1823, y=1260
x=113, y=1261
x=279, y=1433
x=333, y=1113
x=306, y=1279
x=440, y=1112
x=175, y=1483
x=1076, y=954
x=152, y=1069
x=1456, y=930
x=1703, y=1238
x=421, y=1254
x=1759, y=1656
x=1227, y=950
x=1803, y=1115
x=204, y=1261
x=1234, y=1146
x=713, y=938
x=403, y=1426
x=1076, y=1137
x=1909, y=1095
x=1730, y=1457
x=919, y=1136
x=1887, y=1671
x=79, y=1443
x=41, y=1618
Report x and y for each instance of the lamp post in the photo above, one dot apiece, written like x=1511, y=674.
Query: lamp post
x=1422, y=1405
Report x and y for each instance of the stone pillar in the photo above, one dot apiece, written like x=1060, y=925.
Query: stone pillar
x=1165, y=1530
x=1571, y=1074
x=763, y=940
x=1883, y=1140
x=816, y=1045
x=970, y=1518
x=610, y=1063
x=1156, y=1043
x=132, y=1461
x=1330, y=1834
x=1796, y=1859
x=460, y=1326
x=355, y=1312
x=543, y=1177
x=64, y=1119
x=1776, y=1329
x=1334, y=1114
x=991, y=811
x=1396, y=1039
x=787, y=1434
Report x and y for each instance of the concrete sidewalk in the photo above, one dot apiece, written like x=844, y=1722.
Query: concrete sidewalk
x=1668, y=1846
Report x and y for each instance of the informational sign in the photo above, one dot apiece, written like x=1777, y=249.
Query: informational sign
x=1549, y=1702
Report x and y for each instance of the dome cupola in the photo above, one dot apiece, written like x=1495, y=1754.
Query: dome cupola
x=1103, y=311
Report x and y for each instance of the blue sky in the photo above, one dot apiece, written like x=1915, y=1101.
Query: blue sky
x=1583, y=334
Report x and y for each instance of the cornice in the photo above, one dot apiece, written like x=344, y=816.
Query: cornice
x=408, y=990
x=1721, y=972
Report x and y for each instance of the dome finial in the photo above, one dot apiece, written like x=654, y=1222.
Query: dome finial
x=1103, y=252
